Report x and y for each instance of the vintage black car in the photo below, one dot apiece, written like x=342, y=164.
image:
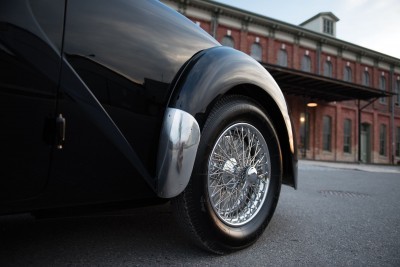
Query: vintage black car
x=123, y=103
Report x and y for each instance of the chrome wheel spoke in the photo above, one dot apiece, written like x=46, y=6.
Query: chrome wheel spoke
x=238, y=174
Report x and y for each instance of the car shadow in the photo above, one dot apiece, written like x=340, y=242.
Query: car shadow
x=136, y=237
x=140, y=236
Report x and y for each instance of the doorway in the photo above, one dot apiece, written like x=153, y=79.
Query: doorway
x=365, y=143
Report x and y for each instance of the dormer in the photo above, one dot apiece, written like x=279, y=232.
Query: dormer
x=324, y=22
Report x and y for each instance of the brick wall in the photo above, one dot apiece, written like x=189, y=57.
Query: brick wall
x=373, y=115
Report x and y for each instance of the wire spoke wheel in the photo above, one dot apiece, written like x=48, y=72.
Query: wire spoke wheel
x=238, y=174
x=236, y=180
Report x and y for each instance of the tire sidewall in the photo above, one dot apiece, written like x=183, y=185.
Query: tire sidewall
x=226, y=236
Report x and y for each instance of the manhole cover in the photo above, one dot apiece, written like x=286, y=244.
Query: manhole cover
x=338, y=193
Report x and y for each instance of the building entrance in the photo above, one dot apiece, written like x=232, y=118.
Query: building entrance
x=365, y=143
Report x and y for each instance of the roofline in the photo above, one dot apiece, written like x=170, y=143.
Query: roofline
x=300, y=31
x=330, y=14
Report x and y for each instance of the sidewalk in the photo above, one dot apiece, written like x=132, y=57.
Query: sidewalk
x=304, y=164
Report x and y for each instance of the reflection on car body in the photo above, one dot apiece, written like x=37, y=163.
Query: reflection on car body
x=144, y=107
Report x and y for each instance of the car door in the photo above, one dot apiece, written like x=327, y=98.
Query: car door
x=110, y=144
x=30, y=45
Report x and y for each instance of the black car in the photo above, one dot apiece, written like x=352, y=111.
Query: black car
x=110, y=104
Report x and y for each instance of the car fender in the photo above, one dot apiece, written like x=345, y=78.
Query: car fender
x=215, y=72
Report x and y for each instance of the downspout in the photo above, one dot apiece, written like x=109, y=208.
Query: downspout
x=214, y=22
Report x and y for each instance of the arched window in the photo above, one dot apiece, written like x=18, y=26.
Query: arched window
x=382, y=86
x=347, y=74
x=306, y=63
x=282, y=58
x=256, y=51
x=365, y=78
x=228, y=41
x=328, y=69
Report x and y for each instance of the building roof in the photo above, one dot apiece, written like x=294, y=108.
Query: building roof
x=300, y=83
x=295, y=30
x=297, y=82
x=329, y=14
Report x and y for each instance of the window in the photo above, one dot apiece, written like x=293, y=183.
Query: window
x=305, y=130
x=228, y=41
x=306, y=63
x=382, y=140
x=398, y=92
x=256, y=52
x=347, y=75
x=328, y=26
x=328, y=69
x=326, y=133
x=282, y=58
x=365, y=78
x=382, y=86
x=347, y=136
x=398, y=142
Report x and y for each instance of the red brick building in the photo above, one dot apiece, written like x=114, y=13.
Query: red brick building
x=357, y=116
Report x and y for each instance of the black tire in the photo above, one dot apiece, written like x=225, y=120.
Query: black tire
x=204, y=218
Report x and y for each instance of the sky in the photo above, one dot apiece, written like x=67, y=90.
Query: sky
x=374, y=24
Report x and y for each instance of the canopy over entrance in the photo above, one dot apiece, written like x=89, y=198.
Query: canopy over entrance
x=300, y=83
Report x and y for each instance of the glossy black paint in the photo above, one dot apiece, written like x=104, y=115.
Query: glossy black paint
x=110, y=68
x=116, y=65
x=129, y=69
x=29, y=74
x=115, y=84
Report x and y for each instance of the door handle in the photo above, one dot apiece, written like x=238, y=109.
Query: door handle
x=60, y=126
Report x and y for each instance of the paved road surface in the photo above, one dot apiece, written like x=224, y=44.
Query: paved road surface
x=340, y=216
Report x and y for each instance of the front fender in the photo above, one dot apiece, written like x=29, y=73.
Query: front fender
x=212, y=73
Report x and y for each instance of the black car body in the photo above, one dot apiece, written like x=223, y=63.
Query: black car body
x=104, y=102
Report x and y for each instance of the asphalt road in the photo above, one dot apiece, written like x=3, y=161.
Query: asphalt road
x=337, y=217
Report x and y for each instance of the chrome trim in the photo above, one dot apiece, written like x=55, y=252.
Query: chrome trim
x=179, y=140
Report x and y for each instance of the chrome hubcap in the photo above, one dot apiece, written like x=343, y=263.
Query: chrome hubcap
x=238, y=174
x=251, y=175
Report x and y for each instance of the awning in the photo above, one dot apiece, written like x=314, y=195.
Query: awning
x=300, y=83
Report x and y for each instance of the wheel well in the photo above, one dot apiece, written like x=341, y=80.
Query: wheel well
x=265, y=100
